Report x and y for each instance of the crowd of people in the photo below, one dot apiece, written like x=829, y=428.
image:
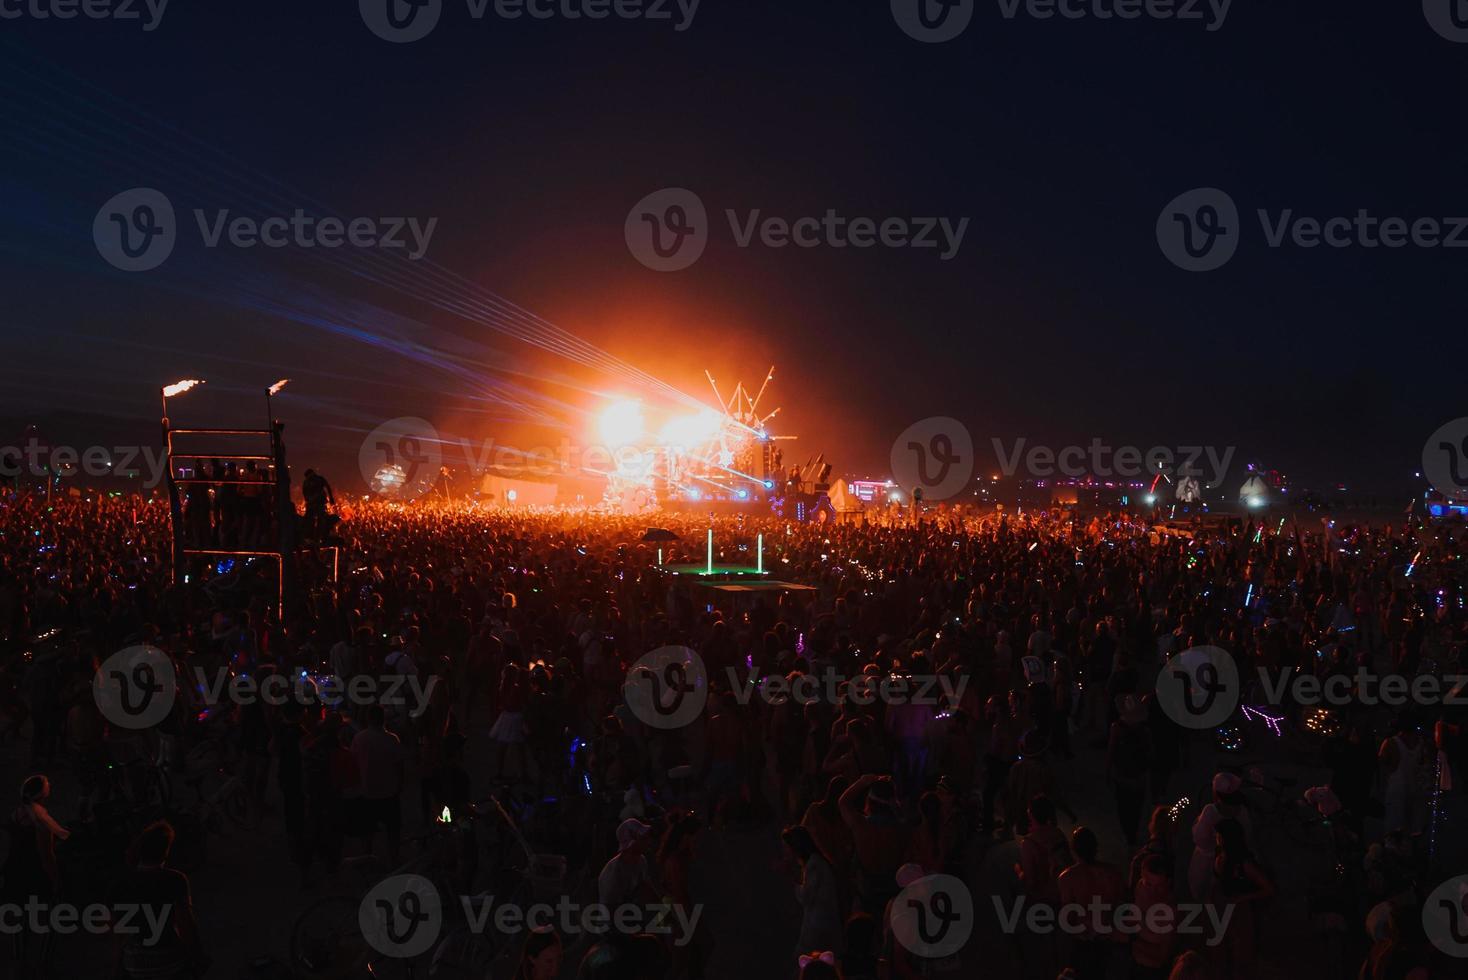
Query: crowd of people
x=1045, y=751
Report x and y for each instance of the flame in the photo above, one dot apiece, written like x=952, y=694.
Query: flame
x=179, y=387
x=275, y=388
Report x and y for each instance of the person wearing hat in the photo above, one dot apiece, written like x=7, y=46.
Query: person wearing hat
x=625, y=878
x=1228, y=804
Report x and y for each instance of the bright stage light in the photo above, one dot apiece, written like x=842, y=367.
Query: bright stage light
x=621, y=424
x=689, y=431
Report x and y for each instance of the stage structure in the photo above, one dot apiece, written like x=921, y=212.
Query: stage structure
x=713, y=455
x=259, y=475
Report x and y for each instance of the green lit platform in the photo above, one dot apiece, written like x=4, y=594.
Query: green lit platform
x=718, y=571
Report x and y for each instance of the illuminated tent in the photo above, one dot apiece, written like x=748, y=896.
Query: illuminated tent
x=843, y=501
x=1255, y=492
x=1189, y=490
x=503, y=491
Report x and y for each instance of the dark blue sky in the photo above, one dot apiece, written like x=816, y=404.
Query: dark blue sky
x=1059, y=319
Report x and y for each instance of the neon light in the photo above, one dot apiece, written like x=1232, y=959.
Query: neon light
x=760, y=554
x=1268, y=719
x=711, y=551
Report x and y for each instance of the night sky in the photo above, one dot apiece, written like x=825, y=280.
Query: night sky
x=1061, y=141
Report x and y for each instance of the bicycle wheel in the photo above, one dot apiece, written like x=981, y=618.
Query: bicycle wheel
x=327, y=942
